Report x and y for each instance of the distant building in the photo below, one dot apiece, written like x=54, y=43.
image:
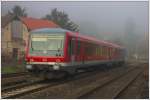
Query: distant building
x=15, y=31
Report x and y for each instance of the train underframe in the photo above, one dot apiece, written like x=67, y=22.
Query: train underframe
x=49, y=71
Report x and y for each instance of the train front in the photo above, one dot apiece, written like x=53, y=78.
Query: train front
x=45, y=50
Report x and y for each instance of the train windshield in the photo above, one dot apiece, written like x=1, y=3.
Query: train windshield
x=47, y=44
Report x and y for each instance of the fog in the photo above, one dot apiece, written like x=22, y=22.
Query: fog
x=125, y=23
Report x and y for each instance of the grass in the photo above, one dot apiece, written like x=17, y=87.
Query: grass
x=12, y=65
x=12, y=68
x=8, y=69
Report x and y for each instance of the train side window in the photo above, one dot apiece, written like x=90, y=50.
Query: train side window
x=97, y=50
x=95, y=47
x=88, y=49
x=102, y=50
x=85, y=46
x=114, y=51
x=106, y=51
x=110, y=52
x=78, y=47
x=91, y=49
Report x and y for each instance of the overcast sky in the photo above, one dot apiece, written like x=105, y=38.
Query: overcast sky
x=97, y=17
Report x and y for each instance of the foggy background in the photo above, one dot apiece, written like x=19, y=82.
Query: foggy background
x=124, y=23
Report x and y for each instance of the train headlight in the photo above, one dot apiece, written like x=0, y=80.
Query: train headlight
x=29, y=66
x=56, y=67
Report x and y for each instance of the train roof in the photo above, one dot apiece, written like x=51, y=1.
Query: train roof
x=60, y=30
x=86, y=37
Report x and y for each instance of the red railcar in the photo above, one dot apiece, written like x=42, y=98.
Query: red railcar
x=55, y=49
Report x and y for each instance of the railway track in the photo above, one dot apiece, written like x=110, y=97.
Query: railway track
x=23, y=84
x=23, y=90
x=14, y=78
x=13, y=74
x=64, y=88
x=114, y=87
x=26, y=88
x=79, y=87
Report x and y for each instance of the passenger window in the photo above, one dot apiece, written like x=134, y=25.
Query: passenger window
x=110, y=52
x=100, y=51
x=106, y=51
x=78, y=47
x=96, y=50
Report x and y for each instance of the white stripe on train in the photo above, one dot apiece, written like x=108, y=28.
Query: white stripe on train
x=76, y=63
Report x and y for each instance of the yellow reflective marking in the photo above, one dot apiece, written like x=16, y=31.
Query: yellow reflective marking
x=39, y=39
x=46, y=37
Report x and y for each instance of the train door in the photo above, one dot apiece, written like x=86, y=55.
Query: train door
x=82, y=52
x=110, y=53
x=79, y=52
x=72, y=53
x=76, y=51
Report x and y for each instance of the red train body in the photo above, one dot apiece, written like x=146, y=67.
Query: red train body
x=62, y=50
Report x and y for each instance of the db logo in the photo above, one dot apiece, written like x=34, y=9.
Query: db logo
x=57, y=60
x=44, y=59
